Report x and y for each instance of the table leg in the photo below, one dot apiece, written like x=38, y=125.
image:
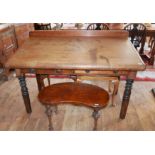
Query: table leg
x=40, y=82
x=126, y=98
x=25, y=93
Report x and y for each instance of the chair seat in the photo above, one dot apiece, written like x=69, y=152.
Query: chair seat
x=74, y=93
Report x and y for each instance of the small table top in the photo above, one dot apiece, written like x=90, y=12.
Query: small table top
x=78, y=49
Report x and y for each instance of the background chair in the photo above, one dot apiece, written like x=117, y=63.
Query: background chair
x=8, y=46
x=148, y=57
x=42, y=26
x=137, y=34
x=98, y=26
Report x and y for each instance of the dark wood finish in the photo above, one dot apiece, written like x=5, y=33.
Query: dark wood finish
x=99, y=53
x=126, y=98
x=149, y=58
x=137, y=33
x=74, y=93
x=150, y=31
x=98, y=26
x=25, y=93
x=40, y=81
x=42, y=26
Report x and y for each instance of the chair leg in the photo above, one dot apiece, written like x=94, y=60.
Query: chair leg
x=96, y=116
x=55, y=109
x=48, y=79
x=74, y=78
x=48, y=112
x=116, y=86
x=109, y=86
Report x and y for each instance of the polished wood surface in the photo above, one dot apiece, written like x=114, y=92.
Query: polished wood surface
x=74, y=93
x=95, y=53
x=78, y=52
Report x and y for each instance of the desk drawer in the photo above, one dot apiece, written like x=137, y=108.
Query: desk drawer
x=48, y=71
x=107, y=73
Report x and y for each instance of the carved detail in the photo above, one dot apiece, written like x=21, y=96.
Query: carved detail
x=126, y=97
x=137, y=33
x=98, y=26
x=25, y=93
x=49, y=111
x=128, y=88
x=96, y=116
x=23, y=86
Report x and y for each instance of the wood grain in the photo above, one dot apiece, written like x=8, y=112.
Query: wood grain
x=140, y=114
x=75, y=93
x=93, y=53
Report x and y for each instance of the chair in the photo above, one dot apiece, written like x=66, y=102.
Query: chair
x=112, y=80
x=8, y=46
x=137, y=34
x=43, y=26
x=98, y=26
x=148, y=58
x=74, y=93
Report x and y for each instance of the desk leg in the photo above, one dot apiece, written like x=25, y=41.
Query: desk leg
x=40, y=82
x=126, y=98
x=25, y=93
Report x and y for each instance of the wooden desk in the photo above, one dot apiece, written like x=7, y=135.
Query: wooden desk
x=78, y=52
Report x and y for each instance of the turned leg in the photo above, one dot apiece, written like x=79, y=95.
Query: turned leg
x=25, y=93
x=96, y=116
x=48, y=112
x=126, y=97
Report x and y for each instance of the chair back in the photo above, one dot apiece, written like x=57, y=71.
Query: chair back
x=152, y=52
x=98, y=26
x=137, y=34
x=43, y=26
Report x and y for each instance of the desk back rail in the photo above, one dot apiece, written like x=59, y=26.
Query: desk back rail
x=79, y=33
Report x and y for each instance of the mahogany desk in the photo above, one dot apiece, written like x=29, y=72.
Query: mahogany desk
x=78, y=52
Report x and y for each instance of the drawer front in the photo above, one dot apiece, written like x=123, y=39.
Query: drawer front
x=49, y=71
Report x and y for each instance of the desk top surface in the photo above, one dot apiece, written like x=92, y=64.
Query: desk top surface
x=70, y=50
